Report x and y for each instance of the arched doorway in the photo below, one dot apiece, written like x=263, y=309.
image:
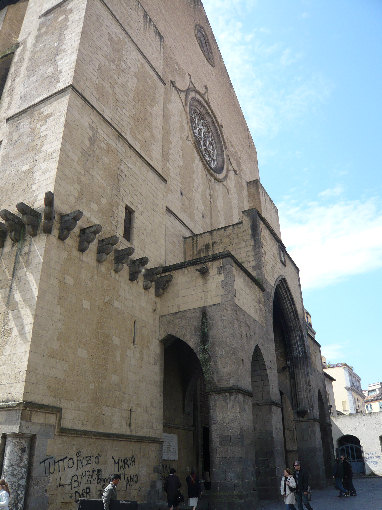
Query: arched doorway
x=350, y=447
x=185, y=412
x=326, y=435
x=286, y=374
x=262, y=411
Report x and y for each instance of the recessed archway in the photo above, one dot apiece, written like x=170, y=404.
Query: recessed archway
x=185, y=411
x=350, y=447
x=265, y=465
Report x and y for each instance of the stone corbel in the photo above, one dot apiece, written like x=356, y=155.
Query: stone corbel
x=47, y=225
x=15, y=225
x=105, y=247
x=135, y=268
x=87, y=236
x=150, y=275
x=121, y=258
x=68, y=222
x=161, y=284
x=30, y=217
x=3, y=234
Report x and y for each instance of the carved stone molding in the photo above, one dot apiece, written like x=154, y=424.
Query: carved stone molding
x=150, y=275
x=15, y=225
x=161, y=284
x=3, y=234
x=105, y=247
x=87, y=236
x=68, y=222
x=30, y=217
x=121, y=258
x=136, y=267
x=47, y=225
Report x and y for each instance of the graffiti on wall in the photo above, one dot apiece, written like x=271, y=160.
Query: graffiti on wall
x=84, y=476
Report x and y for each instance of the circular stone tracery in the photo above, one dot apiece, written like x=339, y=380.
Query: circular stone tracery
x=207, y=136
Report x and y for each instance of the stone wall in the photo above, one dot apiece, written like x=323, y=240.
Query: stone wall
x=368, y=429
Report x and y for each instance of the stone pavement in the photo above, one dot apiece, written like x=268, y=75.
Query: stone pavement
x=369, y=497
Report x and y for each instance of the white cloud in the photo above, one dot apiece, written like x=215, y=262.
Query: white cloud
x=272, y=80
x=334, y=353
x=331, y=192
x=332, y=241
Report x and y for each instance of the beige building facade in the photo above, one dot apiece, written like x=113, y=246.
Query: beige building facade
x=348, y=394
x=150, y=314
x=373, y=398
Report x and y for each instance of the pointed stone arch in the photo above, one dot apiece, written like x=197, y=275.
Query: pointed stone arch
x=262, y=412
x=291, y=350
x=185, y=408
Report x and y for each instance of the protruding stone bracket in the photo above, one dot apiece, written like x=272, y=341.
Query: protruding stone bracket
x=136, y=266
x=161, y=284
x=30, y=217
x=203, y=270
x=47, y=225
x=150, y=275
x=15, y=225
x=105, y=247
x=121, y=258
x=87, y=236
x=68, y=222
x=3, y=234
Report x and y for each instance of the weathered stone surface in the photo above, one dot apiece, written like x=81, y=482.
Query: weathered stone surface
x=96, y=367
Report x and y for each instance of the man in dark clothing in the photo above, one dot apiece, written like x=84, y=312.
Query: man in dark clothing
x=338, y=474
x=302, y=483
x=172, y=486
x=348, y=477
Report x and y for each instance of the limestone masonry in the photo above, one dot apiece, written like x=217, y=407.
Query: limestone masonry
x=150, y=315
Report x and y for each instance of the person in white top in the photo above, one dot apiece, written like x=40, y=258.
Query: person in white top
x=4, y=495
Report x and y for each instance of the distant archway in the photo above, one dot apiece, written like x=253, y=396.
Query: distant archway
x=350, y=447
x=185, y=411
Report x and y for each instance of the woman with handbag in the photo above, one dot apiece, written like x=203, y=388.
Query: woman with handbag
x=193, y=486
x=4, y=495
x=288, y=488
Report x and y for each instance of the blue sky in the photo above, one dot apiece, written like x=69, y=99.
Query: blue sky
x=308, y=75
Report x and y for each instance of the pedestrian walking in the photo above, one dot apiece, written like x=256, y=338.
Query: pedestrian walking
x=302, y=486
x=288, y=488
x=338, y=474
x=348, y=477
x=172, y=486
x=4, y=495
x=110, y=491
x=193, y=486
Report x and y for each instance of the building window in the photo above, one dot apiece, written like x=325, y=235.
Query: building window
x=128, y=224
x=380, y=406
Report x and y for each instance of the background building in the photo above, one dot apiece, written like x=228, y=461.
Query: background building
x=150, y=314
x=348, y=394
x=373, y=398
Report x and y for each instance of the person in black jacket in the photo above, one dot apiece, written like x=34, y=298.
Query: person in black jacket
x=302, y=482
x=338, y=474
x=172, y=486
x=348, y=477
x=193, y=486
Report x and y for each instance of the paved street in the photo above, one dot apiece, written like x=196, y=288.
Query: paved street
x=369, y=497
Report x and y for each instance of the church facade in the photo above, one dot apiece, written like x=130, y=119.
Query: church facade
x=150, y=314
